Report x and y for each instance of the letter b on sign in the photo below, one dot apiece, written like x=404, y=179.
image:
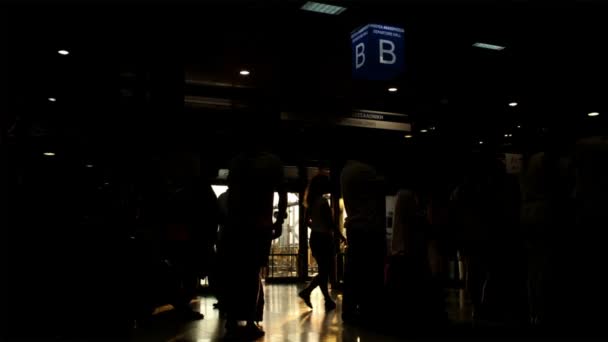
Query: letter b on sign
x=359, y=55
x=387, y=52
x=377, y=52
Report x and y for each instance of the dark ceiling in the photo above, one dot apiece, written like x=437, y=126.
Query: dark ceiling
x=131, y=66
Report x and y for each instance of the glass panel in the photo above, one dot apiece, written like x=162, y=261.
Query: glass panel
x=284, y=251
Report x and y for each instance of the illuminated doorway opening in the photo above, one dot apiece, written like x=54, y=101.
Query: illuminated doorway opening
x=283, y=259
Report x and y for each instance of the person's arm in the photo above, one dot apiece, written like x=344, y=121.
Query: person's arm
x=277, y=230
x=328, y=218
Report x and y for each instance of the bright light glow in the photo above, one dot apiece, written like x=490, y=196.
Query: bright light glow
x=423, y=131
x=52, y=99
x=480, y=142
x=244, y=72
x=593, y=114
x=392, y=90
x=322, y=8
x=506, y=135
x=489, y=46
x=88, y=166
x=518, y=126
x=63, y=52
x=219, y=189
x=49, y=154
x=408, y=136
x=513, y=104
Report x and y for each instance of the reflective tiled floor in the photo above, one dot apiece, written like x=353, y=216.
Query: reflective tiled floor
x=286, y=318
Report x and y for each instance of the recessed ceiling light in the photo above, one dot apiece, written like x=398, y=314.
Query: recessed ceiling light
x=63, y=52
x=392, y=89
x=593, y=114
x=513, y=104
x=318, y=7
x=244, y=72
x=52, y=99
x=408, y=136
x=49, y=154
x=423, y=131
x=489, y=46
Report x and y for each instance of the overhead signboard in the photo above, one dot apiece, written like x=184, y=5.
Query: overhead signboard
x=375, y=119
x=377, y=52
x=360, y=118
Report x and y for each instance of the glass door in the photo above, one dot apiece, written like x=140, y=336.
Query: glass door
x=283, y=261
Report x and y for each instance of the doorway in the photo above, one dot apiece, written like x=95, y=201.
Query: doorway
x=283, y=259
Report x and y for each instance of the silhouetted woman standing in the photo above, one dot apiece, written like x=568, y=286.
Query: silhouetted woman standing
x=323, y=231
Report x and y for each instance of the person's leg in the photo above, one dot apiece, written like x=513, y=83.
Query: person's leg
x=183, y=278
x=371, y=276
x=188, y=285
x=324, y=259
x=232, y=292
x=252, y=330
x=305, y=294
x=352, y=279
x=261, y=300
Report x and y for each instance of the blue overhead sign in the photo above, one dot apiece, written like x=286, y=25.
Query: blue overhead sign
x=377, y=52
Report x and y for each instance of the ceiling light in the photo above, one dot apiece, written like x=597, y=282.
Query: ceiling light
x=244, y=72
x=408, y=136
x=392, y=90
x=518, y=126
x=513, y=104
x=423, y=131
x=489, y=46
x=49, y=154
x=593, y=114
x=63, y=52
x=506, y=135
x=52, y=99
x=480, y=142
x=322, y=8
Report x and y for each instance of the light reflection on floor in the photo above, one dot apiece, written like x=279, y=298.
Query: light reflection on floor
x=286, y=318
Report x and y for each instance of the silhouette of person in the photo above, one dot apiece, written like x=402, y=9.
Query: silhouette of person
x=323, y=230
x=191, y=228
x=415, y=296
x=253, y=179
x=489, y=219
x=364, y=202
x=219, y=267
